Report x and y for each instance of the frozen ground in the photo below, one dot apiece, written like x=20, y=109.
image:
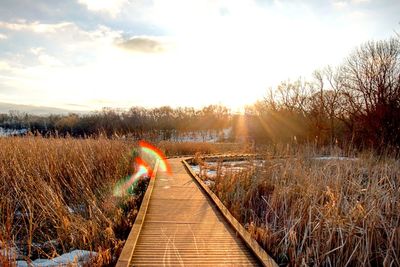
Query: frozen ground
x=10, y=132
x=74, y=258
x=202, y=136
x=334, y=158
x=209, y=170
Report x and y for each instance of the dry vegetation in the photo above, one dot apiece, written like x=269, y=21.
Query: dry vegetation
x=56, y=195
x=318, y=212
x=191, y=148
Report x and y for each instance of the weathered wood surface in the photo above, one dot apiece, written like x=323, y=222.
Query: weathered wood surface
x=264, y=258
x=184, y=227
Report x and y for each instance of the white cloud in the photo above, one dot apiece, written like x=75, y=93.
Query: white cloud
x=47, y=60
x=63, y=67
x=66, y=36
x=360, y=1
x=3, y=36
x=36, y=50
x=110, y=7
x=222, y=50
x=35, y=26
x=340, y=4
x=146, y=44
x=4, y=66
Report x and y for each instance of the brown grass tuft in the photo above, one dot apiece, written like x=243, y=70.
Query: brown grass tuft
x=191, y=148
x=57, y=195
x=319, y=212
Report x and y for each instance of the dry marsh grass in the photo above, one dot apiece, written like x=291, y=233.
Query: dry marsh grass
x=56, y=195
x=191, y=148
x=320, y=212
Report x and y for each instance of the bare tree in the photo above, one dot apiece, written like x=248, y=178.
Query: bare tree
x=371, y=78
x=329, y=87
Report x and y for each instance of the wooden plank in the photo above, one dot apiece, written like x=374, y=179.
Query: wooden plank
x=126, y=254
x=250, y=242
x=184, y=226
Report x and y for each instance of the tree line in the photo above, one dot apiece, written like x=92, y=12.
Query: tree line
x=356, y=103
x=137, y=122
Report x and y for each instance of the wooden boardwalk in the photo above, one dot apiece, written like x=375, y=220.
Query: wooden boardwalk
x=183, y=227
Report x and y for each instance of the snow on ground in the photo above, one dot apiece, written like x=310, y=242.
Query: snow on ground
x=209, y=171
x=203, y=136
x=10, y=132
x=333, y=158
x=74, y=258
x=194, y=136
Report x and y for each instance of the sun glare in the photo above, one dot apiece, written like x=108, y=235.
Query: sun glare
x=229, y=58
x=191, y=53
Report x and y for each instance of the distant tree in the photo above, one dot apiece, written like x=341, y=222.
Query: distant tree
x=371, y=78
x=327, y=101
x=67, y=124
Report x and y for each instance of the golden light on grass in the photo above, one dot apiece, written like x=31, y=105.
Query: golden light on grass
x=338, y=212
x=59, y=192
x=241, y=131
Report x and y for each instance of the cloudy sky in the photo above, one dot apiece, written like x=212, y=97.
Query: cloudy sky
x=88, y=54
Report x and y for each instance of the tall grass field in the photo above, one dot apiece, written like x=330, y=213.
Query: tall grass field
x=310, y=211
x=57, y=195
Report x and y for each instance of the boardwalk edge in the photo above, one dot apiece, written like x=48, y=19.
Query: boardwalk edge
x=260, y=253
x=127, y=251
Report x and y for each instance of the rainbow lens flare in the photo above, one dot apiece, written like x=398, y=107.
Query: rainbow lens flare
x=147, y=152
x=128, y=184
x=157, y=154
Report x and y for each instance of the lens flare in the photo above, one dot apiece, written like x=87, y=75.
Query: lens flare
x=128, y=184
x=157, y=154
x=141, y=168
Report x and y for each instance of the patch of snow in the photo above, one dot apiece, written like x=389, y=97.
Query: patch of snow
x=334, y=158
x=44, y=262
x=233, y=163
x=22, y=264
x=209, y=183
x=76, y=257
x=80, y=208
x=212, y=172
x=20, y=214
x=227, y=132
x=196, y=168
x=209, y=170
x=70, y=210
x=46, y=245
x=211, y=136
x=10, y=132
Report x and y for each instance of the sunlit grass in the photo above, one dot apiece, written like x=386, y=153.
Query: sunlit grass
x=320, y=212
x=56, y=195
x=191, y=148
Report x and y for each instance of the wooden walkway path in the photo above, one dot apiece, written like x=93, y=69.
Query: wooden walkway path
x=183, y=227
